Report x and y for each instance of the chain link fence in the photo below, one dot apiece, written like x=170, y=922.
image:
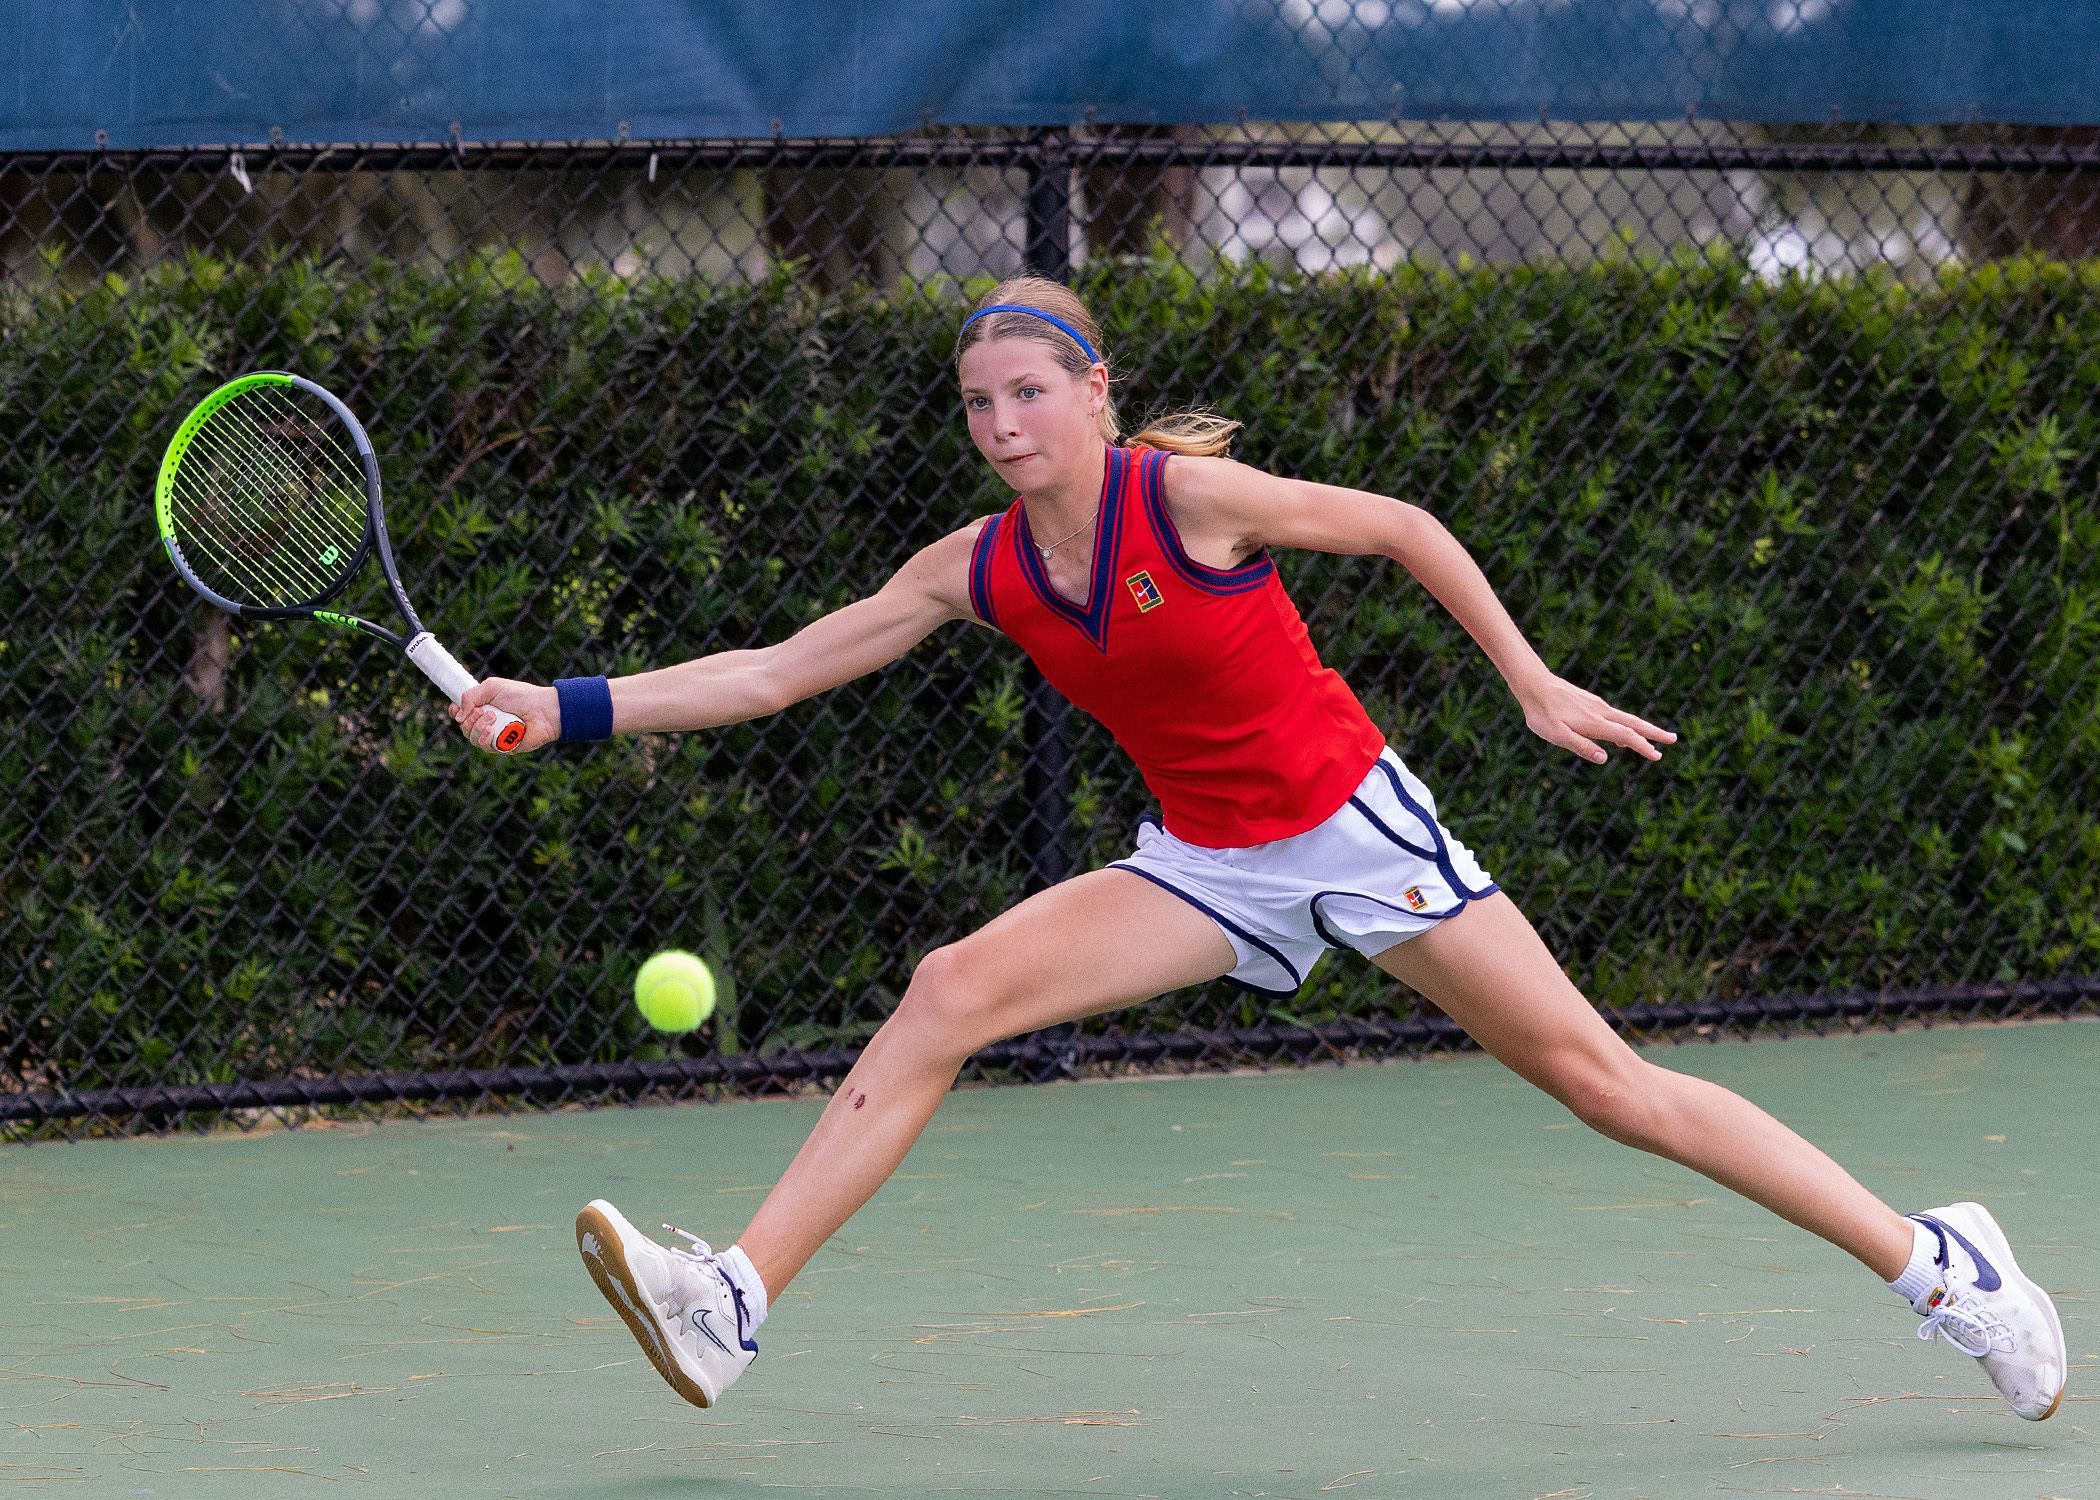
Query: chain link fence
x=1783, y=437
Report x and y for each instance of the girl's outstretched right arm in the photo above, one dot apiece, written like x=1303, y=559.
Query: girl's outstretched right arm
x=931, y=589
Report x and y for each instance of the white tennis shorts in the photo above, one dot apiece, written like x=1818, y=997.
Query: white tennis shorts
x=1376, y=873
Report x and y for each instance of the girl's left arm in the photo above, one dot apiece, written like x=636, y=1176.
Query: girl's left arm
x=1238, y=510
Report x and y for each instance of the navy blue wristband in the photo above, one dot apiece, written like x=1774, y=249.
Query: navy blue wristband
x=586, y=708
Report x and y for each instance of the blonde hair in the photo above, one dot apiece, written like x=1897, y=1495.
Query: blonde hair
x=1197, y=434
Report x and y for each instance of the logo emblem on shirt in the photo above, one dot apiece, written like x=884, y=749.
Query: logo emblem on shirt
x=1144, y=590
x=1414, y=897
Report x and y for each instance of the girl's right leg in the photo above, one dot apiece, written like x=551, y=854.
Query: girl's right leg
x=1094, y=943
x=1098, y=942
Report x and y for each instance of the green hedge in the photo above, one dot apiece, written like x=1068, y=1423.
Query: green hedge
x=1841, y=535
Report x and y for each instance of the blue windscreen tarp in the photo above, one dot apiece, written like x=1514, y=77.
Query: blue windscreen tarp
x=217, y=72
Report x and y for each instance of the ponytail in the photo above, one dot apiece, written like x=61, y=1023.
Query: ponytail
x=1192, y=434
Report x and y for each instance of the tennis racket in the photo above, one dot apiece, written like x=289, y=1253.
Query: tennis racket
x=268, y=504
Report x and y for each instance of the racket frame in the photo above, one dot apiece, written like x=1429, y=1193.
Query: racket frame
x=421, y=647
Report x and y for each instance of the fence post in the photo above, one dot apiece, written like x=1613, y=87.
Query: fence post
x=1046, y=832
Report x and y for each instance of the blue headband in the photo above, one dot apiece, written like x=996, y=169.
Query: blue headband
x=1036, y=312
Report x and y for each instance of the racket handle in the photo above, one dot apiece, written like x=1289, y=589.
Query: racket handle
x=509, y=730
x=453, y=680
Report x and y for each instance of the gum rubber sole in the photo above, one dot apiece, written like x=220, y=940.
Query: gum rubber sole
x=600, y=1246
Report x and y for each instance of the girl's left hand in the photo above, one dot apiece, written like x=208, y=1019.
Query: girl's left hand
x=1576, y=719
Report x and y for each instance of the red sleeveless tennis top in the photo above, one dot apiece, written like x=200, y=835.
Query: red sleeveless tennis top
x=1205, y=676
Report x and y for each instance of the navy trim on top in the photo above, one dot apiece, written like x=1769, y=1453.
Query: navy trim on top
x=1092, y=621
x=1251, y=574
x=981, y=572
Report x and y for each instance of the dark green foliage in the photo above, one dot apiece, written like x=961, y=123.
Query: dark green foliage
x=1840, y=535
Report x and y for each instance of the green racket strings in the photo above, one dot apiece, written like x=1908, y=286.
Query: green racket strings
x=267, y=505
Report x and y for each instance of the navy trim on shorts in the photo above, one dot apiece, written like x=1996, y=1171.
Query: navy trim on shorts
x=981, y=572
x=1230, y=926
x=1442, y=856
x=1379, y=824
x=1251, y=574
x=1336, y=941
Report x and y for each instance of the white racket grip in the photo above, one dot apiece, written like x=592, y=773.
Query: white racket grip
x=440, y=666
x=443, y=668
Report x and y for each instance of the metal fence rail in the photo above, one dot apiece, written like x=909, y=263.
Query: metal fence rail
x=140, y=738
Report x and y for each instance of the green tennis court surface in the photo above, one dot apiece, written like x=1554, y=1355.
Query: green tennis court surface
x=1416, y=1279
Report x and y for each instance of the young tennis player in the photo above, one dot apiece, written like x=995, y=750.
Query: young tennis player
x=1138, y=577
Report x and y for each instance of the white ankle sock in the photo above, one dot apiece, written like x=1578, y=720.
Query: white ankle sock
x=1923, y=1274
x=746, y=1277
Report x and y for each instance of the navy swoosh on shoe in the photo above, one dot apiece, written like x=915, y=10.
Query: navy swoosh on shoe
x=1987, y=1279
x=700, y=1322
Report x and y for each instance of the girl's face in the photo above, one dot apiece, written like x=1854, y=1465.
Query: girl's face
x=1034, y=423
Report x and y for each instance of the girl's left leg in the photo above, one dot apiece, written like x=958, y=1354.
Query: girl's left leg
x=1488, y=970
x=1490, y=973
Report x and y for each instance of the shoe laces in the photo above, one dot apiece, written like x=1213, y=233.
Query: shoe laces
x=707, y=1258
x=1974, y=1333
x=701, y=1254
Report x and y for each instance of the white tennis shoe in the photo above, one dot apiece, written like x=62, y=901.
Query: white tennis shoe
x=681, y=1306
x=1985, y=1307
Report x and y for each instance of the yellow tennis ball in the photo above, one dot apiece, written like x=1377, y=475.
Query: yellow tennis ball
x=674, y=991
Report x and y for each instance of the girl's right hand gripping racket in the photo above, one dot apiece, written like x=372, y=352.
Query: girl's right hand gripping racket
x=268, y=504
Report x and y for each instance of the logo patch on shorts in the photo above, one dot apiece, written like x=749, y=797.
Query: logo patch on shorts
x=1414, y=897
x=1144, y=590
